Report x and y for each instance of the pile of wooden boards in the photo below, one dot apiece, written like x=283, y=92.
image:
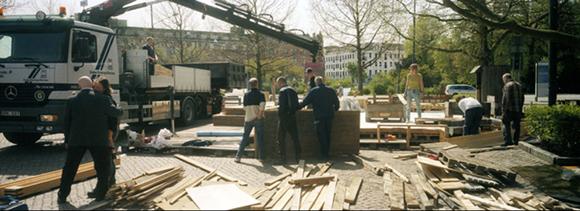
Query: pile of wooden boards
x=309, y=189
x=44, y=182
x=141, y=190
x=228, y=120
x=469, y=191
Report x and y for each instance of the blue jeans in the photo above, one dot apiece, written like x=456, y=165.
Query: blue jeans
x=410, y=95
x=248, y=126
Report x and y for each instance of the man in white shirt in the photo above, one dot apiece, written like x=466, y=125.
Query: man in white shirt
x=254, y=106
x=473, y=111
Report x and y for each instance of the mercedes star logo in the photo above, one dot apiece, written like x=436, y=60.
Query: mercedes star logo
x=11, y=92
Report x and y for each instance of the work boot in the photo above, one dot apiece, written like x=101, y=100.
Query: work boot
x=61, y=199
x=238, y=160
x=91, y=195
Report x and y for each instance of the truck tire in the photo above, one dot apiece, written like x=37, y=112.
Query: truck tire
x=187, y=112
x=22, y=139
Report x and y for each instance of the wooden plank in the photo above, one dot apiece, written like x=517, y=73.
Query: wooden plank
x=396, y=194
x=353, y=189
x=450, y=147
x=484, y=139
x=209, y=169
x=501, y=195
x=319, y=203
x=311, y=197
x=272, y=186
x=523, y=197
x=159, y=170
x=329, y=198
x=488, y=202
x=451, y=185
x=278, y=178
x=338, y=201
x=183, y=192
x=387, y=183
x=298, y=189
x=467, y=205
x=396, y=172
x=278, y=195
x=408, y=155
x=368, y=165
x=311, y=180
x=283, y=201
x=421, y=195
x=324, y=169
x=410, y=198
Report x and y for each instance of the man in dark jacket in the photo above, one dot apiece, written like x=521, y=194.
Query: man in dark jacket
x=512, y=102
x=85, y=128
x=288, y=105
x=325, y=103
x=254, y=106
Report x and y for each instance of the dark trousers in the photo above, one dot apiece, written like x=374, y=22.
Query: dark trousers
x=323, y=130
x=511, y=120
x=287, y=124
x=102, y=160
x=259, y=137
x=472, y=121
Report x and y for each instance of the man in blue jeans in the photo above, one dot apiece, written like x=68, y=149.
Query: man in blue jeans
x=254, y=106
x=413, y=90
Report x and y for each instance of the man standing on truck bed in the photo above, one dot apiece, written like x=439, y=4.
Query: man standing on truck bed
x=288, y=105
x=325, y=103
x=151, y=55
x=85, y=128
x=254, y=106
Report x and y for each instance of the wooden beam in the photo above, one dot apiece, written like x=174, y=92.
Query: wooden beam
x=368, y=165
x=467, y=205
x=312, y=180
x=323, y=169
x=450, y=147
x=311, y=197
x=488, y=202
x=397, y=194
x=403, y=156
x=396, y=172
x=278, y=195
x=338, y=202
x=410, y=199
x=501, y=195
x=329, y=198
x=353, y=189
x=297, y=188
x=426, y=204
x=209, y=169
x=276, y=179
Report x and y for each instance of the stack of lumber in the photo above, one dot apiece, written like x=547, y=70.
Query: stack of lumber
x=143, y=189
x=309, y=189
x=345, y=134
x=44, y=182
x=228, y=120
x=470, y=191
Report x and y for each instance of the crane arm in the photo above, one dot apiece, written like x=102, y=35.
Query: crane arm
x=225, y=11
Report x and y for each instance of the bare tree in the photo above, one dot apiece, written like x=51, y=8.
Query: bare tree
x=263, y=53
x=48, y=6
x=179, y=19
x=355, y=24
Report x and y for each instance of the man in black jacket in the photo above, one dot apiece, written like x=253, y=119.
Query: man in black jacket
x=85, y=128
x=288, y=104
x=325, y=103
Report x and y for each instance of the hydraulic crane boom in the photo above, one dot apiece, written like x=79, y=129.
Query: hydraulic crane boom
x=226, y=12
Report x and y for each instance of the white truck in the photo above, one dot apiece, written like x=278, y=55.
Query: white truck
x=42, y=57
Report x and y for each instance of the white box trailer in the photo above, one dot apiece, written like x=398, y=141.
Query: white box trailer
x=189, y=79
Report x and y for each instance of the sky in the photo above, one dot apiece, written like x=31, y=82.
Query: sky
x=141, y=17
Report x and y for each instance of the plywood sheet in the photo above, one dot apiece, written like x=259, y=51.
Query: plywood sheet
x=220, y=197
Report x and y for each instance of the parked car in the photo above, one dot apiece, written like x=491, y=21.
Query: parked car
x=453, y=89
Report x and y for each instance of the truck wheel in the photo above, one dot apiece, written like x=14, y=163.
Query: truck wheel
x=187, y=112
x=23, y=139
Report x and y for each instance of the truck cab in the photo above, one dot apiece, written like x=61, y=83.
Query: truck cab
x=41, y=58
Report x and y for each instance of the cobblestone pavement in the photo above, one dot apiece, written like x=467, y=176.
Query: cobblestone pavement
x=18, y=162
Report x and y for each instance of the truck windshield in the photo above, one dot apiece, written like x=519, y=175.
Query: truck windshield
x=33, y=47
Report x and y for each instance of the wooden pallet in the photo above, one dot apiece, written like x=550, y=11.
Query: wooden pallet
x=228, y=120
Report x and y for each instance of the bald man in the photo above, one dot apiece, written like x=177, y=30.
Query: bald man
x=85, y=129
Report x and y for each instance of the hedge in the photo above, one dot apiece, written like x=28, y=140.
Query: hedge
x=557, y=127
